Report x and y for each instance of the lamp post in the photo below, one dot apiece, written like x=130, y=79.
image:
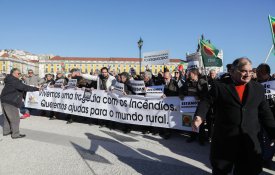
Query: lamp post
x=140, y=43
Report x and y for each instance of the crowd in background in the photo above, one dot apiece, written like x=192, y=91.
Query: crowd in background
x=179, y=83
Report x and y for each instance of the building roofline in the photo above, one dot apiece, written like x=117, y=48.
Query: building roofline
x=58, y=58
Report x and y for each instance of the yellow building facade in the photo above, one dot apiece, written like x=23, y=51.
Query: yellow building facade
x=87, y=65
x=7, y=63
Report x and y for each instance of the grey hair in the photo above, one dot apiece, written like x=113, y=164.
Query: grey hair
x=148, y=74
x=211, y=70
x=170, y=75
x=240, y=62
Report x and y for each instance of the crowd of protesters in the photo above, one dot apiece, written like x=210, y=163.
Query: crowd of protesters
x=180, y=82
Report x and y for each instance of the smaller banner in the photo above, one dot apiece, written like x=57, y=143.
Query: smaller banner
x=155, y=58
x=193, y=64
x=188, y=108
x=138, y=86
x=155, y=91
x=87, y=94
x=59, y=83
x=269, y=89
x=189, y=104
x=71, y=84
x=119, y=87
x=46, y=85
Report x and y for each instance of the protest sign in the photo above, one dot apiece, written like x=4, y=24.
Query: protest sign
x=158, y=112
x=71, y=84
x=155, y=58
x=154, y=91
x=119, y=87
x=45, y=85
x=193, y=65
x=188, y=108
x=138, y=86
x=59, y=83
x=269, y=89
x=87, y=94
x=189, y=104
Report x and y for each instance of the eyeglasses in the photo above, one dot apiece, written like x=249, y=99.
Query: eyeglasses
x=30, y=72
x=176, y=72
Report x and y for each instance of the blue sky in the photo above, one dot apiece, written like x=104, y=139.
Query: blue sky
x=111, y=28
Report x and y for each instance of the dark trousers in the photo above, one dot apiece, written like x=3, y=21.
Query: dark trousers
x=11, y=120
x=240, y=167
x=237, y=154
x=268, y=151
x=201, y=135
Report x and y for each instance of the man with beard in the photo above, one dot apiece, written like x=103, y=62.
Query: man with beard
x=170, y=89
x=106, y=82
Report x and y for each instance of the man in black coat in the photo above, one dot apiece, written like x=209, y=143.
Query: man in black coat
x=240, y=109
x=171, y=87
x=11, y=100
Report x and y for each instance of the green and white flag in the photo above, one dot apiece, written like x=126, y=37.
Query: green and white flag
x=209, y=54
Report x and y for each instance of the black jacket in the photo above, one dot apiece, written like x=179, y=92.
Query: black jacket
x=237, y=121
x=195, y=88
x=13, y=90
x=171, y=89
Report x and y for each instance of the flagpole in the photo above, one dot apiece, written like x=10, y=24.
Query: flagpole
x=269, y=53
x=206, y=76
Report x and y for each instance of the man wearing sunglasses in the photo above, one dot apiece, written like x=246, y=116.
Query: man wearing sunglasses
x=32, y=79
x=11, y=100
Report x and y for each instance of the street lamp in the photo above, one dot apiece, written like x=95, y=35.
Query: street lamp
x=140, y=43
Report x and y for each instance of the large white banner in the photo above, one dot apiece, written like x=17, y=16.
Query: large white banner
x=138, y=110
x=155, y=58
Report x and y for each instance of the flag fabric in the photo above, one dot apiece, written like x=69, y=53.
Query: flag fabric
x=272, y=26
x=209, y=54
x=182, y=65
